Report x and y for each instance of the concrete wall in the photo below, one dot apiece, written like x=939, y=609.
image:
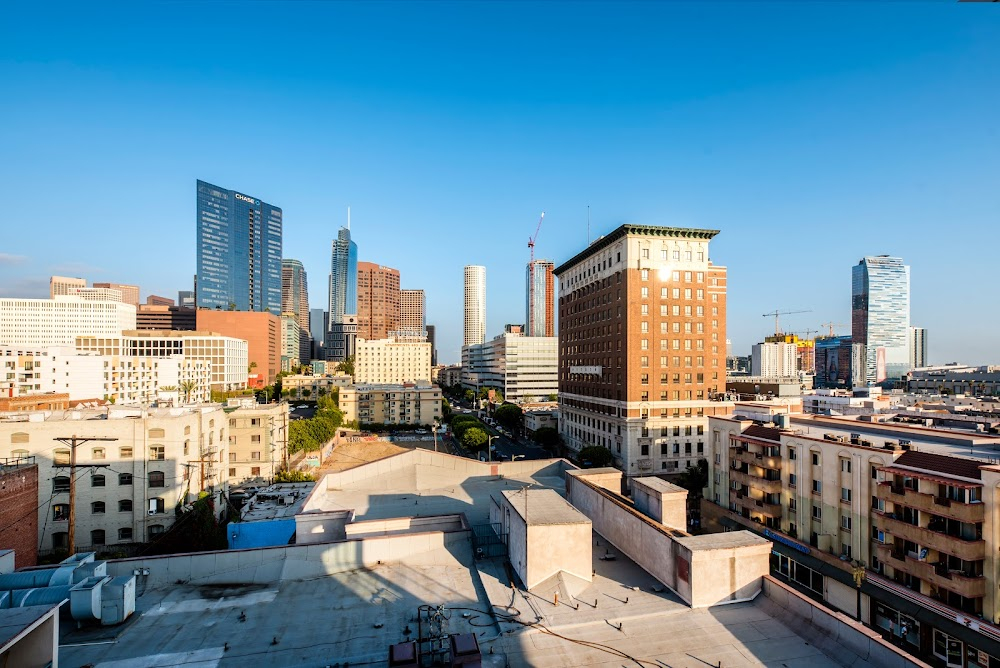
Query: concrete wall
x=37, y=646
x=726, y=575
x=833, y=632
x=661, y=501
x=270, y=565
x=555, y=548
x=403, y=525
x=320, y=526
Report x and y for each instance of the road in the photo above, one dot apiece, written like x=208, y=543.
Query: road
x=509, y=447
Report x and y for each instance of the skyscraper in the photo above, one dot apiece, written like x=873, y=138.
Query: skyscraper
x=378, y=301
x=411, y=311
x=343, y=276
x=475, y=305
x=642, y=335
x=540, y=298
x=319, y=325
x=430, y=329
x=130, y=293
x=239, y=251
x=918, y=347
x=295, y=300
x=880, y=316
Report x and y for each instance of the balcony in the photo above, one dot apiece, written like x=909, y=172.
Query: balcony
x=772, y=510
x=967, y=550
x=936, y=575
x=755, y=482
x=955, y=510
x=756, y=459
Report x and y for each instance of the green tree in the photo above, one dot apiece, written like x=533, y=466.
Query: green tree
x=509, y=416
x=347, y=366
x=445, y=410
x=469, y=395
x=474, y=439
x=695, y=479
x=294, y=476
x=306, y=392
x=594, y=456
x=187, y=387
x=552, y=397
x=548, y=438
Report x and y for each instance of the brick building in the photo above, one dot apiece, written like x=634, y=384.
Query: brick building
x=18, y=505
x=378, y=301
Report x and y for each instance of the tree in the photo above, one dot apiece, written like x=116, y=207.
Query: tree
x=445, y=410
x=548, y=438
x=509, y=416
x=552, y=397
x=347, y=366
x=594, y=456
x=306, y=392
x=294, y=476
x=695, y=478
x=469, y=395
x=474, y=438
x=253, y=365
x=187, y=387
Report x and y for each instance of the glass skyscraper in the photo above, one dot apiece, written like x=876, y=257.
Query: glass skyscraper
x=540, y=298
x=880, y=316
x=343, y=276
x=239, y=251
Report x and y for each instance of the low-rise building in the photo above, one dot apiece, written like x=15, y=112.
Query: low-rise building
x=955, y=379
x=258, y=442
x=859, y=401
x=59, y=321
x=524, y=368
x=261, y=331
x=536, y=419
x=403, y=358
x=19, y=499
x=391, y=404
x=128, y=483
x=313, y=387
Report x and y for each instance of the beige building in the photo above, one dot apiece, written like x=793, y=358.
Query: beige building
x=391, y=404
x=58, y=321
x=401, y=359
x=912, y=507
x=61, y=285
x=258, y=442
x=130, y=293
x=642, y=357
x=412, y=311
x=313, y=387
x=127, y=487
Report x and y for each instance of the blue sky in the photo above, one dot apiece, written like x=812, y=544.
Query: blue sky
x=809, y=133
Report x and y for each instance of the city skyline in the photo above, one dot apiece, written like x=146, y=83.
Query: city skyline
x=865, y=142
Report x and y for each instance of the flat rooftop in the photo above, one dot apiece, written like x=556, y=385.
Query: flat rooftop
x=281, y=501
x=543, y=506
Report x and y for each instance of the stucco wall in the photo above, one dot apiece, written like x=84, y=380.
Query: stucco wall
x=726, y=575
x=559, y=547
x=322, y=526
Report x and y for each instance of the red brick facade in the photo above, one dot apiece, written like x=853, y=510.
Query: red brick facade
x=19, y=513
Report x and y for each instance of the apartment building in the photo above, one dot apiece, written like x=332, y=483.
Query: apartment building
x=127, y=487
x=403, y=358
x=313, y=387
x=226, y=355
x=642, y=331
x=258, y=442
x=58, y=321
x=391, y=404
x=524, y=368
x=909, y=509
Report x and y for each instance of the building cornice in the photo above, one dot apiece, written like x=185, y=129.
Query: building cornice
x=636, y=230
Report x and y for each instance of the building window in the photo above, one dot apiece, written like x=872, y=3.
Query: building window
x=156, y=479
x=815, y=458
x=97, y=453
x=817, y=487
x=255, y=438
x=125, y=506
x=125, y=533
x=60, y=540
x=645, y=272
x=791, y=454
x=125, y=452
x=845, y=465
x=845, y=494
x=156, y=506
x=60, y=512
x=60, y=484
x=255, y=470
x=644, y=379
x=645, y=292
x=97, y=537
x=817, y=512
x=155, y=530
x=156, y=453
x=61, y=457
x=97, y=508
x=645, y=449
x=97, y=481
x=845, y=523
x=255, y=456
x=124, y=478
x=232, y=473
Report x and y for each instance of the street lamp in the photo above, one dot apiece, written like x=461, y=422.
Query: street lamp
x=434, y=430
x=859, y=577
x=489, y=447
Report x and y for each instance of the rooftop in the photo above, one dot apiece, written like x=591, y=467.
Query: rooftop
x=543, y=506
x=276, y=502
x=627, y=229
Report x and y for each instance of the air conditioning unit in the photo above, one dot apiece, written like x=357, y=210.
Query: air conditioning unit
x=151, y=512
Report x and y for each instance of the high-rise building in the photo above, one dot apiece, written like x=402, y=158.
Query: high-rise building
x=239, y=251
x=399, y=359
x=295, y=300
x=61, y=285
x=60, y=320
x=261, y=331
x=880, y=316
x=378, y=301
x=774, y=360
x=918, y=347
x=833, y=362
x=540, y=298
x=157, y=300
x=130, y=293
x=343, y=276
x=185, y=298
x=475, y=305
x=290, y=341
x=341, y=339
x=412, y=311
x=524, y=368
x=319, y=325
x=642, y=346
x=431, y=333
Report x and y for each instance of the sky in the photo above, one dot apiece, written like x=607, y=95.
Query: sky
x=810, y=134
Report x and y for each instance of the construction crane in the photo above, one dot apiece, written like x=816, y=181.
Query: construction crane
x=776, y=314
x=531, y=240
x=807, y=332
x=831, y=325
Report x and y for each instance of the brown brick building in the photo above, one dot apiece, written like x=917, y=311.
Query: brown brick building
x=174, y=318
x=378, y=301
x=19, y=509
x=261, y=331
x=642, y=346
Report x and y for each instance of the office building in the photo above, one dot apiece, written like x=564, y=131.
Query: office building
x=400, y=359
x=431, y=334
x=185, y=298
x=880, y=317
x=774, y=360
x=258, y=442
x=412, y=311
x=59, y=321
x=130, y=293
x=165, y=317
x=918, y=347
x=290, y=334
x=295, y=300
x=475, y=305
x=341, y=340
x=540, y=298
x=833, y=362
x=61, y=285
x=96, y=294
x=343, y=276
x=154, y=459
x=642, y=357
x=378, y=301
x=319, y=325
x=239, y=251
x=805, y=355
x=157, y=300
x=261, y=331
x=391, y=403
x=523, y=368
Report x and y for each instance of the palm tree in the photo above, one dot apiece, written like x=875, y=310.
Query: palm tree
x=187, y=387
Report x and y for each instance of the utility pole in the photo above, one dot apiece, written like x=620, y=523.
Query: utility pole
x=74, y=441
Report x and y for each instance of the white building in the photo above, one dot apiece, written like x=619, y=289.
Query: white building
x=61, y=285
x=774, y=360
x=58, y=321
x=524, y=368
x=115, y=378
x=97, y=294
x=290, y=340
x=402, y=359
x=258, y=441
x=157, y=458
x=475, y=305
x=228, y=356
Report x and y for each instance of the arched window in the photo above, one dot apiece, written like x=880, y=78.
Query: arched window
x=125, y=452
x=97, y=453
x=124, y=478
x=125, y=506
x=19, y=437
x=156, y=479
x=60, y=484
x=125, y=534
x=97, y=507
x=19, y=454
x=97, y=481
x=156, y=453
x=60, y=512
x=97, y=537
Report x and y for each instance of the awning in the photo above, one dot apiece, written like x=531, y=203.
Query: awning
x=940, y=479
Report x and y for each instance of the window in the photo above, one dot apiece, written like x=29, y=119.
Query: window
x=645, y=273
x=125, y=452
x=60, y=484
x=817, y=512
x=644, y=379
x=255, y=470
x=124, y=478
x=97, y=537
x=155, y=530
x=874, y=472
x=815, y=458
x=817, y=487
x=645, y=449
x=255, y=455
x=156, y=479
x=125, y=506
x=97, y=507
x=792, y=504
x=791, y=454
x=645, y=291
x=156, y=506
x=97, y=453
x=845, y=523
x=125, y=533
x=845, y=494
x=232, y=473
x=845, y=465
x=97, y=481
x=60, y=512
x=156, y=453
x=61, y=457
x=792, y=479
x=645, y=253
x=60, y=540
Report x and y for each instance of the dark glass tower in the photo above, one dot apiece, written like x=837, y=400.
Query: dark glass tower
x=239, y=251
